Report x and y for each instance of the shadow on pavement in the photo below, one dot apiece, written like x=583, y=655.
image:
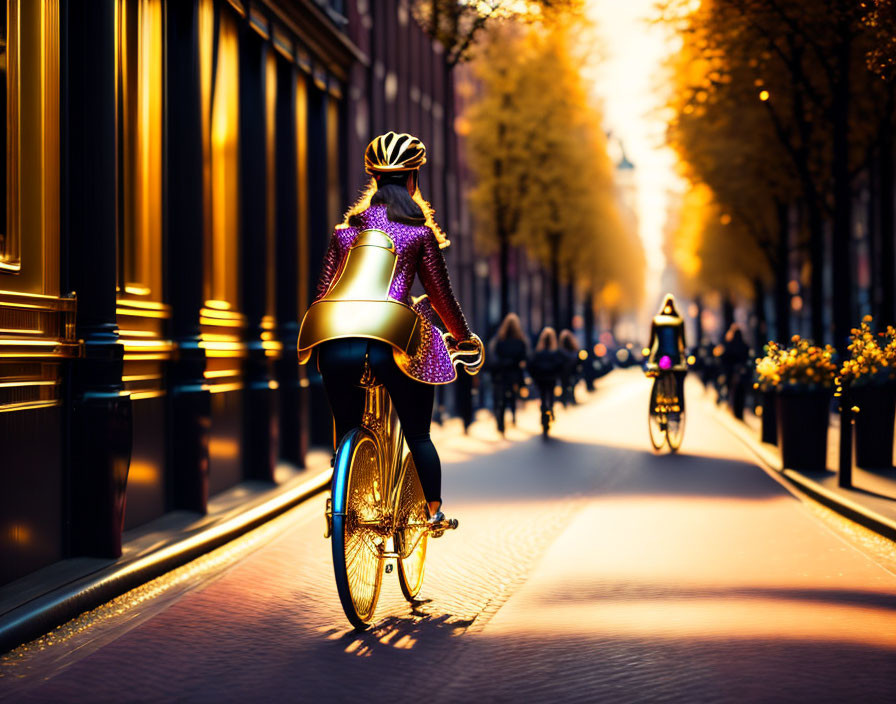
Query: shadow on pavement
x=537, y=470
x=631, y=591
x=615, y=668
x=402, y=632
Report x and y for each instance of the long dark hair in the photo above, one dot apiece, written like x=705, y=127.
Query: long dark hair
x=547, y=341
x=392, y=191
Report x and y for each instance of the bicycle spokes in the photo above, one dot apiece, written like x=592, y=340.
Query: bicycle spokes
x=666, y=413
x=356, y=514
x=411, y=530
x=377, y=512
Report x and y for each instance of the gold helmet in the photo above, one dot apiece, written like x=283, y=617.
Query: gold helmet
x=394, y=152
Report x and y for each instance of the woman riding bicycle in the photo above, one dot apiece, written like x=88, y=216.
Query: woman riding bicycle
x=667, y=350
x=362, y=321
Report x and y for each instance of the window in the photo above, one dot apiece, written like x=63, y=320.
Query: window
x=220, y=90
x=10, y=257
x=140, y=142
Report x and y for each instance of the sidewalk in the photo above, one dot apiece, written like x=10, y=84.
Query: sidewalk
x=870, y=502
x=41, y=601
x=38, y=602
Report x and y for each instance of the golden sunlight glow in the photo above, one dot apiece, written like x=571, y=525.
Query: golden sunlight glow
x=223, y=447
x=20, y=533
x=629, y=82
x=611, y=295
x=143, y=473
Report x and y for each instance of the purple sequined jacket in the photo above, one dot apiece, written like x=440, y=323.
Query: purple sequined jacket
x=417, y=254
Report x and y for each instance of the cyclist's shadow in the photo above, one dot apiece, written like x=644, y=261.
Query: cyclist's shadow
x=400, y=631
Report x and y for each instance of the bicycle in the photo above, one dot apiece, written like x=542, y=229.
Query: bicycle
x=377, y=511
x=506, y=391
x=665, y=416
x=547, y=420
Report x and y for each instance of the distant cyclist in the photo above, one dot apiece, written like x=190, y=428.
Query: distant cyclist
x=667, y=350
x=545, y=367
x=362, y=318
x=507, y=354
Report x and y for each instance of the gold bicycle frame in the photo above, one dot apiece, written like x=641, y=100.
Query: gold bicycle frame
x=381, y=421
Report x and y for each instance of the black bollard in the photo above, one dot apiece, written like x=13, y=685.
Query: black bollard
x=844, y=476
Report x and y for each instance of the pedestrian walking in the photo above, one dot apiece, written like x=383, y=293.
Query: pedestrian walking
x=735, y=360
x=572, y=366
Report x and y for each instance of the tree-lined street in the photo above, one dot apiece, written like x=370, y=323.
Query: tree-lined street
x=179, y=186
x=586, y=568
x=782, y=114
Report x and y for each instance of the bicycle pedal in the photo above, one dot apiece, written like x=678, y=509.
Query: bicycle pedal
x=437, y=530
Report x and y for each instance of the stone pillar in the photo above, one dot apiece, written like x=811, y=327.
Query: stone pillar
x=260, y=426
x=190, y=405
x=293, y=407
x=100, y=420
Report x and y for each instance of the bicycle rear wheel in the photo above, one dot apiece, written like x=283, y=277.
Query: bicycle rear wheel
x=655, y=420
x=357, y=515
x=675, y=430
x=411, y=530
x=675, y=417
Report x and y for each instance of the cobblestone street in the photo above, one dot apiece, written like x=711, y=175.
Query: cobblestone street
x=586, y=568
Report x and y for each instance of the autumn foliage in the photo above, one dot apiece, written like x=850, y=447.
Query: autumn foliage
x=538, y=152
x=782, y=110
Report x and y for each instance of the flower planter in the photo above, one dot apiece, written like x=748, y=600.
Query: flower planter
x=803, y=418
x=874, y=424
x=769, y=417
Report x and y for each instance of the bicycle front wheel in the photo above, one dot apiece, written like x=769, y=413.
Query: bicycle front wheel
x=411, y=530
x=655, y=418
x=358, y=517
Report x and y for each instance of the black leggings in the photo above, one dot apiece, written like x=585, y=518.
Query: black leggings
x=341, y=364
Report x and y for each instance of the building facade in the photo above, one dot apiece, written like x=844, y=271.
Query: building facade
x=173, y=171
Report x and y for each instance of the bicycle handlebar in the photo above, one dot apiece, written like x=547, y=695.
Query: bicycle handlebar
x=469, y=354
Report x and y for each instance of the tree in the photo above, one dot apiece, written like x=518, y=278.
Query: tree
x=730, y=154
x=808, y=64
x=715, y=253
x=880, y=18
x=543, y=179
x=456, y=23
